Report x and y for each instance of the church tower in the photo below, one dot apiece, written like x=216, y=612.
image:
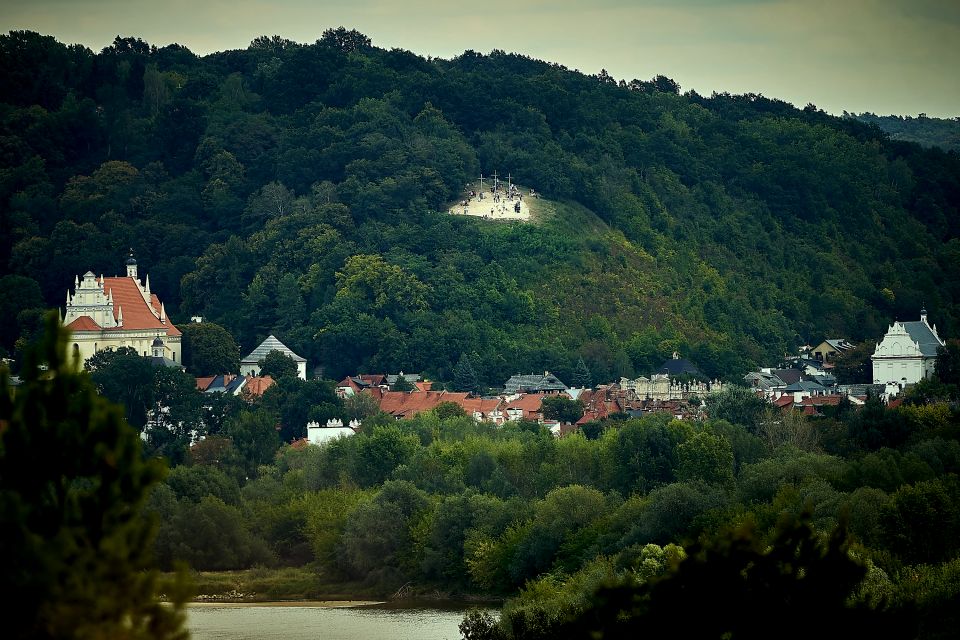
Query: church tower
x=131, y=266
x=158, y=347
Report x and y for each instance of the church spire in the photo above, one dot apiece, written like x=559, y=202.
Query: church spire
x=131, y=266
x=163, y=313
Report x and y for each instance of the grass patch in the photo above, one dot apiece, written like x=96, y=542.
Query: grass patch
x=261, y=584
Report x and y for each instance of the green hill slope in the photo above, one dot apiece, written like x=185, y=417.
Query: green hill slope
x=300, y=189
x=929, y=132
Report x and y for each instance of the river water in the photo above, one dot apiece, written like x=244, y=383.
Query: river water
x=322, y=621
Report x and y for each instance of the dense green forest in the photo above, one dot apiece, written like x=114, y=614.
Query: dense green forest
x=929, y=132
x=738, y=510
x=300, y=190
x=850, y=520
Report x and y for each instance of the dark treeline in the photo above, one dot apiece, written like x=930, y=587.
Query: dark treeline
x=295, y=189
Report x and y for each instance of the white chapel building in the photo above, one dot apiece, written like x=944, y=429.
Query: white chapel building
x=108, y=313
x=907, y=353
x=250, y=366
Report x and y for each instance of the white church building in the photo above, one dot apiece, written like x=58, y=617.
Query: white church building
x=109, y=313
x=907, y=353
x=250, y=366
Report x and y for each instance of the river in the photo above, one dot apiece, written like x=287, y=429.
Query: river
x=322, y=621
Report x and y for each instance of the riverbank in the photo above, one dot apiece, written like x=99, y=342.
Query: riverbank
x=316, y=604
x=307, y=584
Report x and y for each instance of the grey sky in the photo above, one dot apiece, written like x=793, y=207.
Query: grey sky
x=885, y=56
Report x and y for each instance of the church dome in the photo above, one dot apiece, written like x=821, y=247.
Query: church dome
x=131, y=260
x=157, y=342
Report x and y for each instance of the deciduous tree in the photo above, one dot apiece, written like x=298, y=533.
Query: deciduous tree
x=209, y=349
x=278, y=366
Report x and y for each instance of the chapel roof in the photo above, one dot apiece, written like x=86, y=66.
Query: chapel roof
x=268, y=345
x=921, y=333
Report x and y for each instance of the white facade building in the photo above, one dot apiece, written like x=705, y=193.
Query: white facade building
x=907, y=353
x=334, y=429
x=250, y=366
x=109, y=313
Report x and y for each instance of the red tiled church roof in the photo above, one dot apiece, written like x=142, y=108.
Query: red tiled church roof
x=84, y=323
x=136, y=313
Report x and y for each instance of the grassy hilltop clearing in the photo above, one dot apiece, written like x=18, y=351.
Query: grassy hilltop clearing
x=275, y=188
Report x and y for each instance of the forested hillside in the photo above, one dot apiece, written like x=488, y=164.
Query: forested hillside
x=301, y=189
x=929, y=132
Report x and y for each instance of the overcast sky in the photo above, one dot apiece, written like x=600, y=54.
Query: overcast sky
x=884, y=56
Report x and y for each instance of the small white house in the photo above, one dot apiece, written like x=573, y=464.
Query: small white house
x=907, y=354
